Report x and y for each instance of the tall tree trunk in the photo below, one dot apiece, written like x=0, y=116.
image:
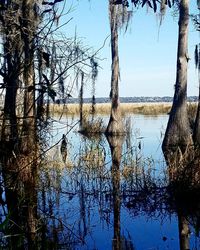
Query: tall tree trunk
x=178, y=132
x=81, y=102
x=115, y=125
x=19, y=164
x=11, y=78
x=9, y=128
x=40, y=98
x=29, y=78
x=196, y=132
x=28, y=141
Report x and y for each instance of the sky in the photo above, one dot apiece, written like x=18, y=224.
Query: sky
x=147, y=51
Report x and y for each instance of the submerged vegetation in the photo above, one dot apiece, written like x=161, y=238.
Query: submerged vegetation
x=101, y=186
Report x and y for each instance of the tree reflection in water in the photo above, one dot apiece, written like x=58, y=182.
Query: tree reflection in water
x=115, y=143
x=18, y=200
x=78, y=200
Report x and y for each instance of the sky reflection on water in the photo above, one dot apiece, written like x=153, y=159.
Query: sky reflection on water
x=113, y=193
x=145, y=231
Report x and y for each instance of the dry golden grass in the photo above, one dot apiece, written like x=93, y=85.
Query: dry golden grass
x=94, y=127
x=104, y=108
x=147, y=108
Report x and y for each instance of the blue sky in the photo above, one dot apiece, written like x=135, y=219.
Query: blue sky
x=147, y=51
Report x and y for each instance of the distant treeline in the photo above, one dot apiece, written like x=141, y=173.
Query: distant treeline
x=126, y=99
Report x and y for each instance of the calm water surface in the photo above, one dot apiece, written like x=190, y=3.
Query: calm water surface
x=101, y=193
x=93, y=209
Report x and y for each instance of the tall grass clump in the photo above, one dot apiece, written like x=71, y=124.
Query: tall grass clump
x=92, y=126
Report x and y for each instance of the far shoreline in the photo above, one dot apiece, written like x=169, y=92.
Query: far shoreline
x=145, y=108
x=134, y=99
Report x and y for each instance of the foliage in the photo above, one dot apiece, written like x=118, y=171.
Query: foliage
x=38, y=65
x=55, y=60
x=151, y=3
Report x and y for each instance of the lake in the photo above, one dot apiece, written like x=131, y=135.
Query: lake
x=99, y=193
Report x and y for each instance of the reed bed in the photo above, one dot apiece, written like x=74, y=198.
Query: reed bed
x=147, y=108
x=104, y=108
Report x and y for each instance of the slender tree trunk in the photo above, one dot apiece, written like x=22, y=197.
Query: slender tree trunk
x=115, y=125
x=29, y=143
x=19, y=164
x=9, y=128
x=81, y=102
x=196, y=132
x=29, y=78
x=178, y=132
x=40, y=99
x=30, y=207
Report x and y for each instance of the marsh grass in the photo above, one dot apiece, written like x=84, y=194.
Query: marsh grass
x=126, y=108
x=104, y=108
x=93, y=127
x=146, y=108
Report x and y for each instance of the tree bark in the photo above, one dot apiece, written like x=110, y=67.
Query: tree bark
x=29, y=28
x=28, y=141
x=9, y=127
x=115, y=125
x=19, y=166
x=196, y=131
x=11, y=68
x=178, y=132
